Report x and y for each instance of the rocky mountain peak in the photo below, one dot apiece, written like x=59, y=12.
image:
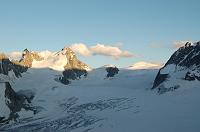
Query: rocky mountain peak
x=74, y=68
x=18, y=67
x=14, y=66
x=183, y=64
x=69, y=52
x=72, y=61
x=28, y=57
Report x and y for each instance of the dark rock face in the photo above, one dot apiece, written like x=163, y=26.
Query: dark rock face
x=72, y=74
x=6, y=65
x=186, y=56
x=186, y=60
x=159, y=79
x=74, y=68
x=191, y=76
x=112, y=71
x=18, y=67
x=15, y=103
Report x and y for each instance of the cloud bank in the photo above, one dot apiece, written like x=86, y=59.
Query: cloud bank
x=53, y=60
x=14, y=55
x=145, y=65
x=100, y=49
x=81, y=48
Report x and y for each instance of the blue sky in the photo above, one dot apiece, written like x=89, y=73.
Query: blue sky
x=146, y=28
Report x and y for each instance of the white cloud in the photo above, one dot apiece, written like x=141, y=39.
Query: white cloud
x=81, y=49
x=179, y=44
x=53, y=60
x=145, y=65
x=100, y=49
x=14, y=55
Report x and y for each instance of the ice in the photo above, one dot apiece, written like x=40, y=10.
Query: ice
x=96, y=103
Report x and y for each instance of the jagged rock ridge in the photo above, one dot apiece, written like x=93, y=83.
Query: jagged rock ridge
x=28, y=57
x=15, y=101
x=74, y=68
x=6, y=66
x=183, y=64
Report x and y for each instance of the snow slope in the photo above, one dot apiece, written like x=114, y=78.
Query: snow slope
x=96, y=103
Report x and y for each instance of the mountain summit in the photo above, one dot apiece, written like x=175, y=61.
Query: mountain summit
x=61, y=60
x=28, y=58
x=72, y=61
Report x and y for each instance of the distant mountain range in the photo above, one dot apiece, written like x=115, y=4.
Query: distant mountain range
x=46, y=91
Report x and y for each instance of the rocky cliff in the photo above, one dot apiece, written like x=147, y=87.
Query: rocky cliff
x=7, y=66
x=13, y=102
x=184, y=64
x=28, y=57
x=74, y=68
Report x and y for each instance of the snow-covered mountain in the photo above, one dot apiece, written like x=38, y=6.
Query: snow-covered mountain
x=182, y=67
x=58, y=92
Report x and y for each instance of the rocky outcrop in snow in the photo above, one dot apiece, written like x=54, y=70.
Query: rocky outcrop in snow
x=73, y=61
x=18, y=67
x=111, y=71
x=28, y=57
x=12, y=103
x=184, y=64
x=74, y=68
x=7, y=66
